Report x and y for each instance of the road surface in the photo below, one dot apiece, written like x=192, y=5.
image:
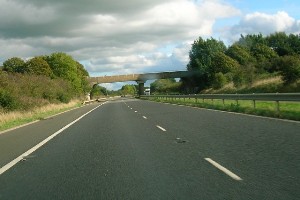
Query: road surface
x=132, y=149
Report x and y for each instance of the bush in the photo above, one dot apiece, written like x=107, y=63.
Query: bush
x=289, y=67
x=64, y=98
x=219, y=80
x=24, y=91
x=7, y=101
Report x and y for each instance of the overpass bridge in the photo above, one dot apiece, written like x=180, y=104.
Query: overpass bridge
x=139, y=78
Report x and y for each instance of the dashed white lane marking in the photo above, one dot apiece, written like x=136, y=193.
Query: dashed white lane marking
x=223, y=169
x=161, y=128
x=135, y=111
x=144, y=117
x=33, y=149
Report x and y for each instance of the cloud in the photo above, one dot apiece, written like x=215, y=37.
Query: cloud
x=109, y=36
x=266, y=24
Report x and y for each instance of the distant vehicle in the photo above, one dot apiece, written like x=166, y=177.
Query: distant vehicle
x=147, y=91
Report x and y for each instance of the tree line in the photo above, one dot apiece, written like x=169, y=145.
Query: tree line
x=41, y=80
x=252, y=57
x=59, y=78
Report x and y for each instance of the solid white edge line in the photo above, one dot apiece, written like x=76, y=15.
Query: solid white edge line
x=223, y=169
x=161, y=128
x=33, y=149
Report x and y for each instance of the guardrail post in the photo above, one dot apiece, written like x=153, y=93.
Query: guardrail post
x=254, y=104
x=277, y=107
x=196, y=100
x=223, y=102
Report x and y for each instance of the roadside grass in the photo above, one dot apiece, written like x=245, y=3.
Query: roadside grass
x=13, y=119
x=287, y=110
x=262, y=85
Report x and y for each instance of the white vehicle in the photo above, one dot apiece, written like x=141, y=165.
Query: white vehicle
x=147, y=91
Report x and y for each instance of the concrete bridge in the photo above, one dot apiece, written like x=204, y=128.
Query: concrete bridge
x=139, y=78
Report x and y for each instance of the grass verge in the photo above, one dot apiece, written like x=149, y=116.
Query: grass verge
x=14, y=119
x=287, y=110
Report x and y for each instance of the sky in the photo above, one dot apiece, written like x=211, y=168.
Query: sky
x=113, y=37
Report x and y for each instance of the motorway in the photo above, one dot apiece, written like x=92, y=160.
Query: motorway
x=133, y=149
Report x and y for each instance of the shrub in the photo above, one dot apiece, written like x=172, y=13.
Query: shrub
x=7, y=101
x=64, y=98
x=219, y=80
x=289, y=67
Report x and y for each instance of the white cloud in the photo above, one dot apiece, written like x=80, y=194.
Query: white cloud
x=107, y=36
x=264, y=23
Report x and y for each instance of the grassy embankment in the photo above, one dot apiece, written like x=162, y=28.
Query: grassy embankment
x=16, y=118
x=288, y=110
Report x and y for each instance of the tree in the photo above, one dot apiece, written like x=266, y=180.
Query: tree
x=98, y=91
x=223, y=63
x=201, y=55
x=251, y=40
x=82, y=73
x=65, y=67
x=165, y=86
x=294, y=41
x=264, y=56
x=240, y=54
x=289, y=67
x=38, y=66
x=128, y=90
x=262, y=52
x=14, y=64
x=244, y=75
x=279, y=42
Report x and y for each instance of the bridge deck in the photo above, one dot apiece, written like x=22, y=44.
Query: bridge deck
x=139, y=77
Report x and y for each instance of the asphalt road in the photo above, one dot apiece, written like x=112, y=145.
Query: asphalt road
x=131, y=149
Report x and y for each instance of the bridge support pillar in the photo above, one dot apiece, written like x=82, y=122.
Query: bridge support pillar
x=141, y=87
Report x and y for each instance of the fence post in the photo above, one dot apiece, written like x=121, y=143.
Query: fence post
x=277, y=107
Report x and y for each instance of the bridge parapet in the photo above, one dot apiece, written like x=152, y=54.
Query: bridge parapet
x=139, y=77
